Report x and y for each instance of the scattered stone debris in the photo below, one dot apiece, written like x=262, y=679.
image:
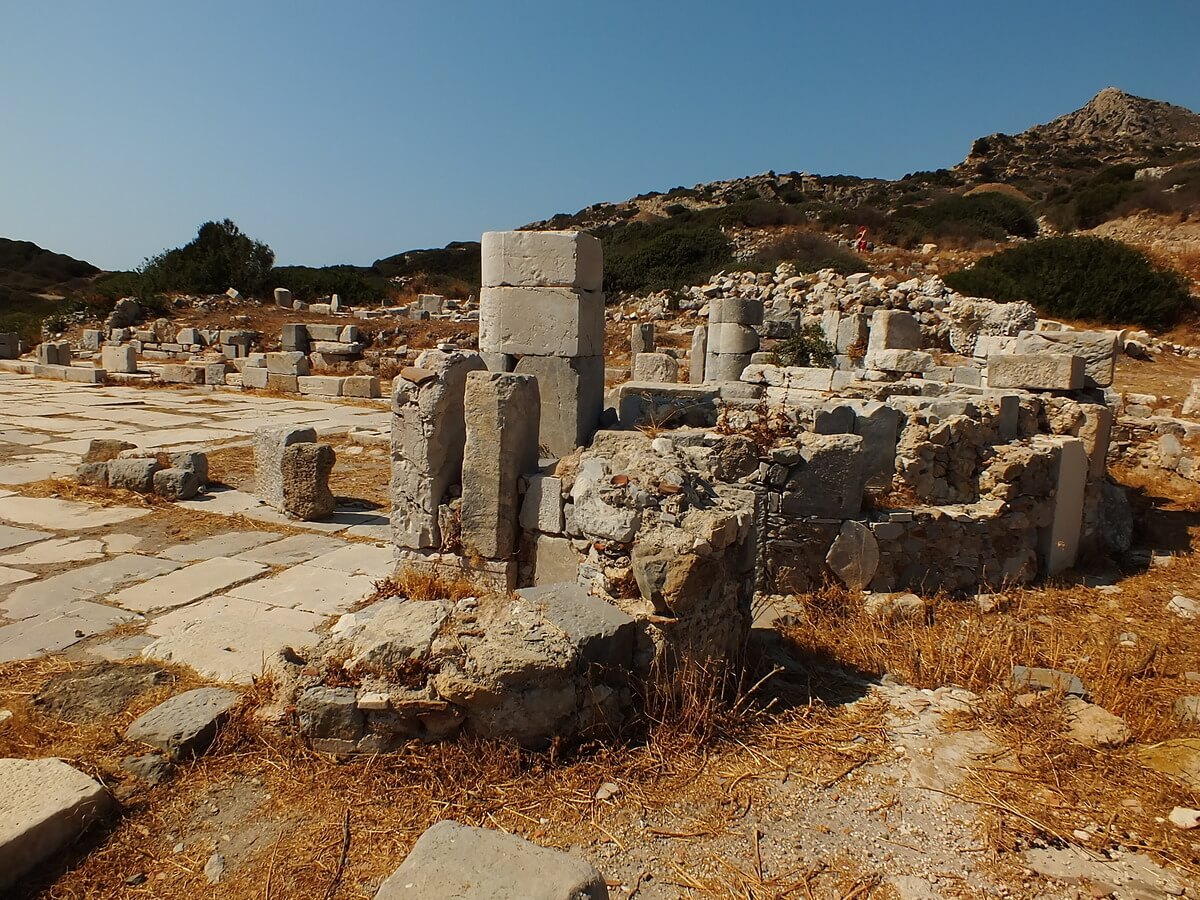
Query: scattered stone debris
x=186, y=724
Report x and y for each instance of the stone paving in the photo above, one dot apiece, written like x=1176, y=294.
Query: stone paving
x=225, y=603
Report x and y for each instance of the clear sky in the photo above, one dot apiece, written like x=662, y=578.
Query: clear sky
x=348, y=131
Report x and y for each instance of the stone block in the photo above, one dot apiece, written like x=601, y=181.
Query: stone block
x=1040, y=372
x=295, y=337
x=283, y=298
x=554, y=560
x=673, y=405
x=699, y=352
x=186, y=724
x=894, y=329
x=91, y=339
x=330, y=714
x=854, y=555
x=1058, y=542
x=120, y=358
x=502, y=414
x=360, y=386
x=335, y=348
x=133, y=474
x=427, y=441
x=195, y=460
x=571, y=398
x=600, y=633
x=269, y=447
x=305, y=472
x=349, y=334
x=103, y=449
x=1098, y=349
x=546, y=321
x=542, y=508
x=289, y=362
x=214, y=373
x=324, y=332
x=431, y=303
x=46, y=805
x=735, y=311
x=899, y=361
x=321, y=385
x=542, y=259
x=830, y=478
x=83, y=374
x=641, y=338
x=255, y=377
x=879, y=427
x=655, y=367
x=289, y=384
x=174, y=373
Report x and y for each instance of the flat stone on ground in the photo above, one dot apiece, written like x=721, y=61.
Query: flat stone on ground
x=230, y=544
x=95, y=580
x=57, y=550
x=187, y=584
x=187, y=723
x=455, y=862
x=358, y=559
x=309, y=588
x=63, y=515
x=97, y=692
x=44, y=806
x=292, y=550
x=17, y=537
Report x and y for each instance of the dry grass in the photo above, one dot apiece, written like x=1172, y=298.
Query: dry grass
x=1047, y=786
x=425, y=583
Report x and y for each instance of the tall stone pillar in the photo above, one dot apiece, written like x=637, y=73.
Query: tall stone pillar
x=541, y=313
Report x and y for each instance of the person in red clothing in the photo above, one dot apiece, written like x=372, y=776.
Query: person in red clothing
x=860, y=243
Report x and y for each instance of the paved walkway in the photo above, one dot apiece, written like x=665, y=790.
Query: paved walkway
x=224, y=603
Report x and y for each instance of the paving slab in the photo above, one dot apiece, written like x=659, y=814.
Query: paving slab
x=14, y=576
x=186, y=585
x=57, y=630
x=222, y=502
x=122, y=543
x=358, y=559
x=29, y=472
x=17, y=537
x=228, y=639
x=24, y=438
x=230, y=544
x=120, y=648
x=46, y=804
x=54, y=551
x=308, y=588
x=292, y=550
x=63, y=515
x=92, y=581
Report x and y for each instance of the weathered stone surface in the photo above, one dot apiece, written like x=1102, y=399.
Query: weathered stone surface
x=894, y=360
x=601, y=634
x=502, y=414
x=571, y=394
x=395, y=633
x=591, y=516
x=879, y=426
x=176, y=373
x=44, y=806
x=1093, y=726
x=330, y=714
x=554, y=560
x=1059, y=541
x=1177, y=757
x=720, y=367
x=1041, y=372
x=320, y=385
x=731, y=338
x=542, y=259
x=186, y=724
x=360, y=386
x=102, y=450
x=698, y=354
x=121, y=359
x=176, y=484
x=641, y=338
x=288, y=362
x=428, y=437
x=97, y=692
x=255, y=378
x=269, y=447
x=655, y=367
x=305, y=470
x=542, y=321
x=830, y=478
x=1026, y=678
x=739, y=310
x=1098, y=349
x=894, y=329
x=854, y=555
x=133, y=474
x=454, y=862
x=283, y=298
x=542, y=509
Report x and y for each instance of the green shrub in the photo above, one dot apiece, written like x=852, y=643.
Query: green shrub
x=1079, y=278
x=809, y=253
x=651, y=256
x=355, y=285
x=807, y=347
x=990, y=215
x=218, y=258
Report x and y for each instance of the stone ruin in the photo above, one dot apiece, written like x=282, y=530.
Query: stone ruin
x=614, y=554
x=291, y=472
x=172, y=475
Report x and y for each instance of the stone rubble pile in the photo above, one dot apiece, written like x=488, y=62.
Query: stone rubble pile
x=172, y=475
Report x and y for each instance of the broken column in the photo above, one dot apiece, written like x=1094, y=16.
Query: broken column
x=641, y=340
x=1059, y=541
x=502, y=413
x=292, y=472
x=541, y=313
x=428, y=436
x=732, y=339
x=699, y=351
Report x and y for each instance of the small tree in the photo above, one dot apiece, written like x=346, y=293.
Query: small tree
x=807, y=347
x=219, y=257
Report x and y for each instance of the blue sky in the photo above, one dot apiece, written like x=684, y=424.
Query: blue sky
x=343, y=132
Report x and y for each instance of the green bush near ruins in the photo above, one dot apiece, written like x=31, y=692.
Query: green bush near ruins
x=808, y=347
x=219, y=257
x=1088, y=278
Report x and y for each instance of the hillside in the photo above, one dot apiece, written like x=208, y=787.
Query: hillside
x=33, y=281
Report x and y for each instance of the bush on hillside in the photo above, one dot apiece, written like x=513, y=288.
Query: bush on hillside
x=809, y=252
x=991, y=215
x=651, y=256
x=808, y=347
x=354, y=285
x=218, y=258
x=1079, y=278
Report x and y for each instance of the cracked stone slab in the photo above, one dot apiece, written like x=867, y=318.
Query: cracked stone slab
x=187, y=585
x=18, y=537
x=96, y=580
x=358, y=559
x=57, y=630
x=308, y=588
x=230, y=544
x=56, y=550
x=292, y=550
x=63, y=515
x=185, y=724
